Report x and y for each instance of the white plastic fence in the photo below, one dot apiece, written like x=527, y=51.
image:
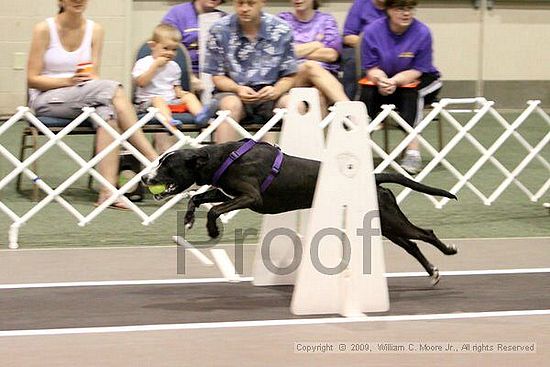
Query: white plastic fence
x=24, y=113
x=441, y=110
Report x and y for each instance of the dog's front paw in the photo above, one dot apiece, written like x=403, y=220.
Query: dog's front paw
x=212, y=229
x=189, y=219
x=451, y=250
x=211, y=223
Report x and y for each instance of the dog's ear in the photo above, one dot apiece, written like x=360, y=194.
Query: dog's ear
x=202, y=159
x=196, y=158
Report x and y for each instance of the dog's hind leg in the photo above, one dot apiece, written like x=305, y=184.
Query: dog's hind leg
x=412, y=248
x=396, y=224
x=408, y=230
x=211, y=196
x=428, y=235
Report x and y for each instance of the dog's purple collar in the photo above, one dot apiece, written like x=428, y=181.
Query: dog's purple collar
x=243, y=149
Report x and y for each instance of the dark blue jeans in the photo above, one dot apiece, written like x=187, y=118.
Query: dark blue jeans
x=349, y=77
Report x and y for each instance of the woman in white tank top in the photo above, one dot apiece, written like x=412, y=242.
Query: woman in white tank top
x=56, y=89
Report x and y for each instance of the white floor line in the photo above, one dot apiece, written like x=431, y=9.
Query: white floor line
x=267, y=323
x=246, y=244
x=117, y=283
x=471, y=272
x=249, y=279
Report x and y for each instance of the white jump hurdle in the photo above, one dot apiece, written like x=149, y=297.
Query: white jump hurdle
x=359, y=284
x=342, y=269
x=300, y=136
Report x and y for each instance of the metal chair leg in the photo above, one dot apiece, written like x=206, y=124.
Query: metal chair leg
x=386, y=136
x=35, y=163
x=24, y=147
x=440, y=134
x=90, y=177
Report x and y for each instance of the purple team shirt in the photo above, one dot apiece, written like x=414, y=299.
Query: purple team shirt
x=185, y=18
x=321, y=27
x=361, y=13
x=396, y=53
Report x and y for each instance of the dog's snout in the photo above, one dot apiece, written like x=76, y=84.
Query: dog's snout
x=145, y=179
x=149, y=177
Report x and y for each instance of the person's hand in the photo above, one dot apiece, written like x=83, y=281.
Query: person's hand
x=79, y=78
x=161, y=61
x=386, y=86
x=268, y=93
x=386, y=91
x=196, y=84
x=247, y=94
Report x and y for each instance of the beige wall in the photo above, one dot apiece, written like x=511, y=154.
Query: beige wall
x=514, y=38
x=16, y=22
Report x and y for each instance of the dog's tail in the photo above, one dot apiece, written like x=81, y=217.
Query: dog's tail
x=407, y=182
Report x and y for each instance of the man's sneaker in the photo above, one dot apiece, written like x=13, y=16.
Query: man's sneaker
x=412, y=164
x=208, y=111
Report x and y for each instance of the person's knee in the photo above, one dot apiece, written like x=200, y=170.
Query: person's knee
x=233, y=104
x=367, y=94
x=312, y=67
x=283, y=101
x=114, y=124
x=102, y=131
x=119, y=98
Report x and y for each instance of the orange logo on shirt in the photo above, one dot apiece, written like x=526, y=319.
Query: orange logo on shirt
x=407, y=54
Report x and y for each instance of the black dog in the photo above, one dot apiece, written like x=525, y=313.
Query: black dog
x=292, y=189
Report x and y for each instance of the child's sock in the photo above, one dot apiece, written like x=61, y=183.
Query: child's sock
x=207, y=112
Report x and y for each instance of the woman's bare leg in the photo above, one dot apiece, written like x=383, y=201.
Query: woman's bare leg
x=311, y=73
x=108, y=166
x=127, y=118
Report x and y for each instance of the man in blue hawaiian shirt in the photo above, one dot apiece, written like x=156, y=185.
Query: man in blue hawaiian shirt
x=252, y=62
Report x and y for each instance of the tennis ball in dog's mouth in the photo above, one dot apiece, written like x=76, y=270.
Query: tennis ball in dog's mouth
x=157, y=189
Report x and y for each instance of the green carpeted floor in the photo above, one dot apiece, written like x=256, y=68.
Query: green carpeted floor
x=512, y=215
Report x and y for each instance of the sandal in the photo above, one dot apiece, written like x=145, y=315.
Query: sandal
x=117, y=204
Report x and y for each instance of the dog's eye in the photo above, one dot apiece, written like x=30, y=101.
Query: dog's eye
x=164, y=156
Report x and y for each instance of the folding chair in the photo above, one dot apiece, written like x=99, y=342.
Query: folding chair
x=184, y=61
x=55, y=125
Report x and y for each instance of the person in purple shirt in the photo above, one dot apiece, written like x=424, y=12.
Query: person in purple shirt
x=185, y=17
x=361, y=13
x=396, y=54
x=317, y=45
x=316, y=35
